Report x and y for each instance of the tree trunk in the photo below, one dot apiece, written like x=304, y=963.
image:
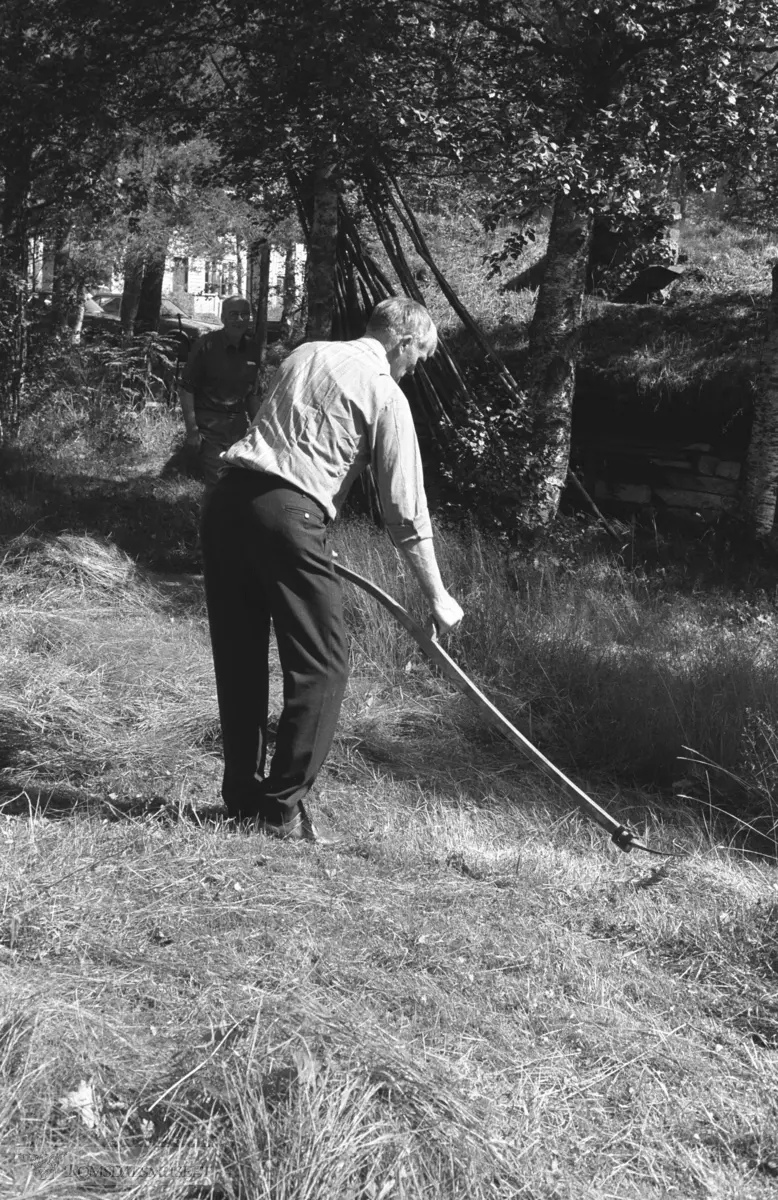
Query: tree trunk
x=761, y=483
x=133, y=278
x=238, y=266
x=63, y=299
x=60, y=299
x=13, y=350
x=14, y=253
x=261, y=255
x=553, y=344
x=150, y=298
x=322, y=255
x=290, y=304
x=14, y=208
x=78, y=313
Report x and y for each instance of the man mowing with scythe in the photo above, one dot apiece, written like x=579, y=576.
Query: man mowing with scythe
x=331, y=409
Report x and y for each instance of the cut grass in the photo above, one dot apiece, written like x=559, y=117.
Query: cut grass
x=477, y=997
x=453, y=1006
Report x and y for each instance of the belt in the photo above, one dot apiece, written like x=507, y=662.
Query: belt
x=264, y=481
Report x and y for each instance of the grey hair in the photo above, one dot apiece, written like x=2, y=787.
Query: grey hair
x=401, y=316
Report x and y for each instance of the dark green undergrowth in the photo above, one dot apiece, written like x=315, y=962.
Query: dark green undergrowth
x=86, y=461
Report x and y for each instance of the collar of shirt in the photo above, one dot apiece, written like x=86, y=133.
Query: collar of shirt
x=226, y=344
x=375, y=347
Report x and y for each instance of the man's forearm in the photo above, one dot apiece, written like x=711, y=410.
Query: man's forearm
x=420, y=556
x=188, y=409
x=445, y=611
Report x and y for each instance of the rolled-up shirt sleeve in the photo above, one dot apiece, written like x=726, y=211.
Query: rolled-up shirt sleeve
x=396, y=461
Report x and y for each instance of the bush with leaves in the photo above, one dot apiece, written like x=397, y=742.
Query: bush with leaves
x=488, y=466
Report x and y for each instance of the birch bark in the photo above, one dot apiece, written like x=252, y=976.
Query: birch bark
x=761, y=483
x=553, y=343
x=322, y=255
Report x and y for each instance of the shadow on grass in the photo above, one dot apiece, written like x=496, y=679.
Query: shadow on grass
x=62, y=801
x=153, y=516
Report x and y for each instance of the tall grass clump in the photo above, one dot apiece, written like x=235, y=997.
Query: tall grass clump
x=609, y=672
x=101, y=405
x=604, y=667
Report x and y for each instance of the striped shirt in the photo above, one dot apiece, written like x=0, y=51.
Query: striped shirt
x=332, y=408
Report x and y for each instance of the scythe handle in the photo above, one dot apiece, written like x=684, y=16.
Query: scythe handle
x=620, y=835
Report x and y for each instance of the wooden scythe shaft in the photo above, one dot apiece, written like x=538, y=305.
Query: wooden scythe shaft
x=620, y=835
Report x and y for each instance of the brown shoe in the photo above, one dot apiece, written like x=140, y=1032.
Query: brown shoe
x=300, y=829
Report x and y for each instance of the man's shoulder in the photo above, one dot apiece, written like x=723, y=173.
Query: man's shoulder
x=208, y=342
x=359, y=354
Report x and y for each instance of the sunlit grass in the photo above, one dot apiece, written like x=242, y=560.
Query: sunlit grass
x=478, y=996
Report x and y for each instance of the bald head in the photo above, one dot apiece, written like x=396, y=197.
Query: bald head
x=236, y=317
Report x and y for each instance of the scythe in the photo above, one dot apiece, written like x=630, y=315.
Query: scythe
x=620, y=835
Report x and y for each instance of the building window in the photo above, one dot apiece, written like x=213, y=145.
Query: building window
x=212, y=276
x=221, y=279
x=180, y=274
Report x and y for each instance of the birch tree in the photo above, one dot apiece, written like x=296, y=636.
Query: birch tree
x=586, y=106
x=761, y=483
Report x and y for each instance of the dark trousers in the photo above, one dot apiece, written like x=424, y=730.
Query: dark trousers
x=218, y=432
x=265, y=557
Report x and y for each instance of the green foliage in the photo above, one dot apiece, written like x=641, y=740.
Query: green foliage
x=480, y=465
x=171, y=192
x=329, y=84
x=139, y=372
x=73, y=76
x=599, y=101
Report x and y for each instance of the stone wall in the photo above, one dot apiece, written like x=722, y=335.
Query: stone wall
x=682, y=480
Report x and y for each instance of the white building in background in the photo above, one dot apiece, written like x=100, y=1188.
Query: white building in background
x=199, y=282
x=204, y=282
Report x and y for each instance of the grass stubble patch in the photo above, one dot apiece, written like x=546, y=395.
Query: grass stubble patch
x=476, y=997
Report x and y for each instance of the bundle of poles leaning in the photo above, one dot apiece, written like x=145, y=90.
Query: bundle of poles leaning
x=443, y=398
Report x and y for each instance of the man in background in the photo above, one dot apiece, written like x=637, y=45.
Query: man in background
x=218, y=388
x=331, y=409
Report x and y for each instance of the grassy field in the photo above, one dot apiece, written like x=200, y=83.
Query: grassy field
x=477, y=996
